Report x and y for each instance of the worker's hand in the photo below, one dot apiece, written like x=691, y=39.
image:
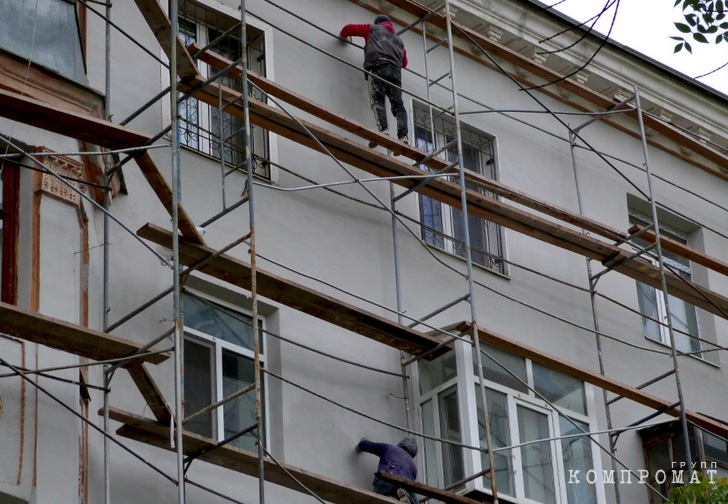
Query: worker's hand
x=357, y=446
x=344, y=40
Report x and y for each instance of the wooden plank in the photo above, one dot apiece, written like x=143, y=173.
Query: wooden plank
x=71, y=338
x=298, y=296
x=683, y=250
x=428, y=491
x=371, y=134
x=242, y=461
x=161, y=187
x=448, y=192
x=71, y=124
x=159, y=23
x=501, y=51
x=98, y=132
x=558, y=364
x=151, y=393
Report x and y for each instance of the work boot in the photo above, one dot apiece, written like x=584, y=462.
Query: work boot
x=373, y=144
x=402, y=494
x=405, y=141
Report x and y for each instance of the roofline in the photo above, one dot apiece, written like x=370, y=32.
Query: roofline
x=621, y=47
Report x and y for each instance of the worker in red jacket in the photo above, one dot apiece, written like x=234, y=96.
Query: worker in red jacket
x=385, y=57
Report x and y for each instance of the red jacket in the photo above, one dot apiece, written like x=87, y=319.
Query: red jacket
x=362, y=30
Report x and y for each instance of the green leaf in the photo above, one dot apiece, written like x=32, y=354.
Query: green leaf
x=724, y=26
x=676, y=2
x=692, y=19
x=683, y=27
x=700, y=38
x=712, y=29
x=719, y=39
x=678, y=48
x=689, y=48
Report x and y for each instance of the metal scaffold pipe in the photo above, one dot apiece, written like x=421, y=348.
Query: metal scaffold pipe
x=468, y=252
x=105, y=288
x=673, y=347
x=592, y=296
x=253, y=267
x=176, y=184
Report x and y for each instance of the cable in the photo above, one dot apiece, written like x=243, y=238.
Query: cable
x=374, y=419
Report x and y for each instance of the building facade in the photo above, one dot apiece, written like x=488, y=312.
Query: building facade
x=326, y=226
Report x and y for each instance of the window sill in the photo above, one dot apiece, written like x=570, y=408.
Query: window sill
x=475, y=265
x=700, y=359
x=217, y=160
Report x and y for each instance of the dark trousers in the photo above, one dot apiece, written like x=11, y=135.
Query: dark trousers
x=379, y=90
x=390, y=490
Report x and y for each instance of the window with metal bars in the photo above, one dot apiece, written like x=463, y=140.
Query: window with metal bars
x=442, y=225
x=213, y=130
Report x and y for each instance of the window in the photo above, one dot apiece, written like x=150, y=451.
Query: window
x=218, y=362
x=46, y=31
x=652, y=301
x=665, y=451
x=442, y=225
x=535, y=472
x=202, y=126
x=9, y=207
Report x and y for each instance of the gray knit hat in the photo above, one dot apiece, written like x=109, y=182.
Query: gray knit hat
x=409, y=444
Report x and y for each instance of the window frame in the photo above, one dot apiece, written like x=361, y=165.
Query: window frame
x=445, y=240
x=271, y=139
x=218, y=345
x=660, y=304
x=467, y=382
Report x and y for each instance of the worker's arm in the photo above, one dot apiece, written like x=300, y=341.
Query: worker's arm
x=355, y=30
x=370, y=447
x=404, y=60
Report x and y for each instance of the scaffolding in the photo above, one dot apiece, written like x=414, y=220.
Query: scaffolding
x=440, y=174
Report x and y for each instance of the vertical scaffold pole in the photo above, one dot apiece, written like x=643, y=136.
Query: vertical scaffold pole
x=253, y=266
x=176, y=185
x=105, y=294
x=428, y=89
x=673, y=346
x=468, y=254
x=592, y=295
x=398, y=287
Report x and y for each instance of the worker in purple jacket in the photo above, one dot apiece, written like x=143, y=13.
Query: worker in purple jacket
x=397, y=460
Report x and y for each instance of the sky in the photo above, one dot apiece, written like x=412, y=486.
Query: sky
x=645, y=26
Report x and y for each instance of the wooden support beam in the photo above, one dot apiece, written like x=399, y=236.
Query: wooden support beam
x=371, y=134
x=683, y=250
x=71, y=338
x=448, y=192
x=148, y=387
x=71, y=124
x=428, y=491
x=593, y=377
x=159, y=23
x=161, y=187
x=242, y=461
x=298, y=296
x=590, y=95
x=99, y=132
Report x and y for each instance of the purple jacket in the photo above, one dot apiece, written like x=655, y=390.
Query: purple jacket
x=392, y=459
